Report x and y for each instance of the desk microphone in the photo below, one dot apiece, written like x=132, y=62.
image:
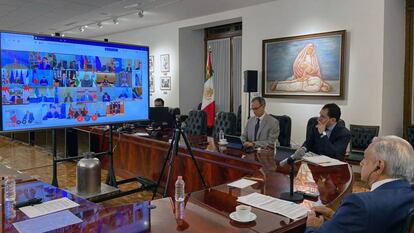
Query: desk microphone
x=299, y=153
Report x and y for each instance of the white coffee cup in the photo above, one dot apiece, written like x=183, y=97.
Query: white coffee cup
x=243, y=212
x=223, y=140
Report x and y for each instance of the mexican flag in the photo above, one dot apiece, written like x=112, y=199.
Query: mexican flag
x=208, y=105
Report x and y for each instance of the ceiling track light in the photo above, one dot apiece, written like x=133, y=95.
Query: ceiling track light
x=140, y=13
x=99, y=24
x=116, y=21
x=82, y=29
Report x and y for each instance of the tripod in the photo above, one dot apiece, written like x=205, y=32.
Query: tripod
x=172, y=153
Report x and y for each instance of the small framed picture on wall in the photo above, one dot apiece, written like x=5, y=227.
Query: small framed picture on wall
x=165, y=83
x=165, y=63
x=151, y=63
x=151, y=84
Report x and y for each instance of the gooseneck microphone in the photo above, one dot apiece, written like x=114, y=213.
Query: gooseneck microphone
x=299, y=153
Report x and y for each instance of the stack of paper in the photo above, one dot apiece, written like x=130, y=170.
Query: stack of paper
x=274, y=205
x=242, y=183
x=47, y=223
x=48, y=207
x=323, y=160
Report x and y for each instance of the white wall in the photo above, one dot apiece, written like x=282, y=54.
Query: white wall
x=364, y=53
x=365, y=86
x=393, y=94
x=162, y=39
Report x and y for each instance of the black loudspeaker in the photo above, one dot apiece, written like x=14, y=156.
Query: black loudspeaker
x=250, y=81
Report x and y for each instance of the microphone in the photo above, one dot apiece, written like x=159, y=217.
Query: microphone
x=299, y=153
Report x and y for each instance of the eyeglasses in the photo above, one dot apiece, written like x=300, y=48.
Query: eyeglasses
x=254, y=109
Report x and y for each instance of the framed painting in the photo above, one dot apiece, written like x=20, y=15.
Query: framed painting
x=165, y=63
x=165, y=83
x=304, y=66
x=151, y=63
x=151, y=83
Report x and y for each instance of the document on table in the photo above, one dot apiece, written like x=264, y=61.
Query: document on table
x=48, y=207
x=274, y=205
x=142, y=134
x=242, y=183
x=47, y=223
x=323, y=160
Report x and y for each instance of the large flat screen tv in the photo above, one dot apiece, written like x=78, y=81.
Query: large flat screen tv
x=50, y=82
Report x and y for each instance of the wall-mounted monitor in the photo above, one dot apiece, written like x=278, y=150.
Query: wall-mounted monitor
x=50, y=82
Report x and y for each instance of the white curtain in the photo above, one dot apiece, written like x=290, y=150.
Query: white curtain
x=220, y=56
x=237, y=72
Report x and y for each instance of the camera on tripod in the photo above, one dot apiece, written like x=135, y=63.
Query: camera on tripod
x=172, y=153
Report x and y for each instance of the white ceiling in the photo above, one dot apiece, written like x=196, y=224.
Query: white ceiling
x=67, y=16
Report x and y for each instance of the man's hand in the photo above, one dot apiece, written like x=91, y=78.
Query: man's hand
x=248, y=144
x=321, y=126
x=326, y=212
x=314, y=221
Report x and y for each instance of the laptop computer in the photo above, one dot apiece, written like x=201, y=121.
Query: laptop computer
x=234, y=142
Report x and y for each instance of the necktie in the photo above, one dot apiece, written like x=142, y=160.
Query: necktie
x=328, y=132
x=256, y=128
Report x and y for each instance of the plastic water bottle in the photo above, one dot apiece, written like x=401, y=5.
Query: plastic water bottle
x=275, y=150
x=10, y=189
x=179, y=198
x=179, y=189
x=221, y=135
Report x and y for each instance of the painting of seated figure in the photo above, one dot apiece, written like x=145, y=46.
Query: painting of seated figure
x=310, y=65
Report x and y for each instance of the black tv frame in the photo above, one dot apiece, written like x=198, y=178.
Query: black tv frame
x=77, y=125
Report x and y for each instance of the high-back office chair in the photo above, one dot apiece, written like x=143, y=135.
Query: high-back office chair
x=225, y=121
x=196, y=123
x=410, y=134
x=361, y=137
x=312, y=122
x=285, y=126
x=238, y=121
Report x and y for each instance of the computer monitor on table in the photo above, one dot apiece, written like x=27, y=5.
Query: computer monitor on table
x=160, y=116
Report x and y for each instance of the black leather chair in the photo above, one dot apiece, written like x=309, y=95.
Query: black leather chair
x=285, y=126
x=361, y=137
x=410, y=134
x=238, y=121
x=196, y=123
x=312, y=121
x=225, y=121
x=409, y=224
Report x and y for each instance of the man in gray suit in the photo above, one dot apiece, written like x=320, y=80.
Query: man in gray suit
x=262, y=130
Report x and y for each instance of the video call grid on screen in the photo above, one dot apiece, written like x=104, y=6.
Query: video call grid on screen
x=50, y=82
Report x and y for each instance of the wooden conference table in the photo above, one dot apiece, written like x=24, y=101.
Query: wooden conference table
x=206, y=210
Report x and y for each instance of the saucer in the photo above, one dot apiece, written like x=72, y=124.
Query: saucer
x=221, y=143
x=234, y=217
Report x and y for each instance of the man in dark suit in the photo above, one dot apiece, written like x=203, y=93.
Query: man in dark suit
x=388, y=167
x=262, y=130
x=327, y=137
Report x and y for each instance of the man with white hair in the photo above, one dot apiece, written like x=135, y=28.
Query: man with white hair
x=388, y=169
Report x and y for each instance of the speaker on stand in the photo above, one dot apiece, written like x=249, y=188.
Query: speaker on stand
x=250, y=84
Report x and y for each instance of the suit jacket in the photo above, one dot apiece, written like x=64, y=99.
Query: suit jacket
x=334, y=146
x=383, y=210
x=267, y=134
